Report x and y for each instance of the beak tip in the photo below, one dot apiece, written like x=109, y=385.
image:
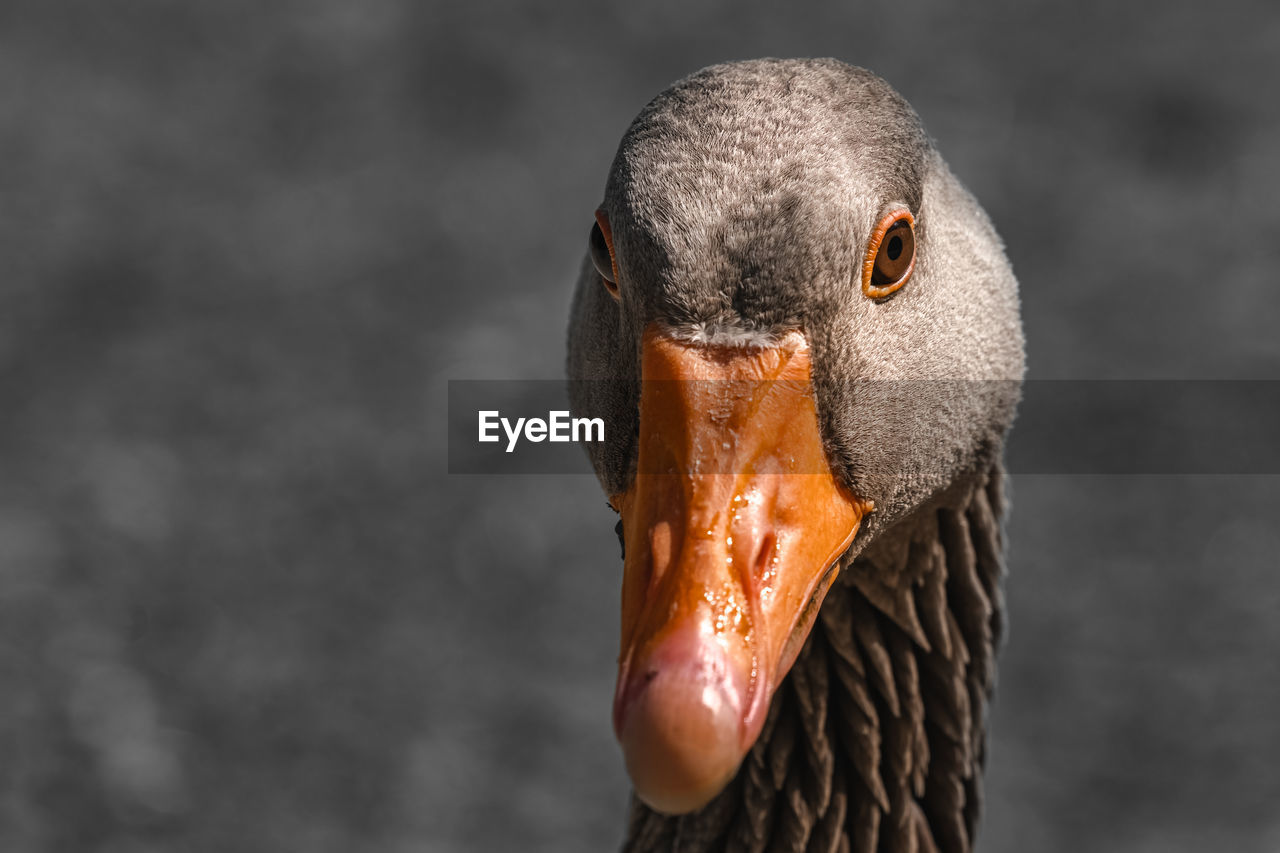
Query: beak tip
x=681, y=722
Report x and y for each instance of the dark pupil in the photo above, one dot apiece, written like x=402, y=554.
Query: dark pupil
x=600, y=253
x=895, y=247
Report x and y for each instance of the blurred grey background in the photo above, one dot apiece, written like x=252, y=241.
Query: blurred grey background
x=244, y=608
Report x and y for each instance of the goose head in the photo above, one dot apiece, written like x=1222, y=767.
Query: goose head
x=798, y=328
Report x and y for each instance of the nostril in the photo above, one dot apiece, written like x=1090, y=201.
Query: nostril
x=764, y=554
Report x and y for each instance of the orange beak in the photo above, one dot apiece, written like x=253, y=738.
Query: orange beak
x=732, y=526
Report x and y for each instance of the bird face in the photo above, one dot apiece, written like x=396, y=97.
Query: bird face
x=779, y=256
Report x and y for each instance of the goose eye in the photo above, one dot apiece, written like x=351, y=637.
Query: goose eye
x=891, y=255
x=602, y=253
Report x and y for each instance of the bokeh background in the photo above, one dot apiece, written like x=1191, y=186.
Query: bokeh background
x=243, y=606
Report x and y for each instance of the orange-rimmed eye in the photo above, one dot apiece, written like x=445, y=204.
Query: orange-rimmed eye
x=891, y=255
x=602, y=253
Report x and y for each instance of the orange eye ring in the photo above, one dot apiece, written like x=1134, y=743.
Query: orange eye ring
x=602, y=256
x=891, y=255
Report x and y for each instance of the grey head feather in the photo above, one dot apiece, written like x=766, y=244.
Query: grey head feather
x=741, y=202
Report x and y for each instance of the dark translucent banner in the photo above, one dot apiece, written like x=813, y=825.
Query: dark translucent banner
x=1062, y=426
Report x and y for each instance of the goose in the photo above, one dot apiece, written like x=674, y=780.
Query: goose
x=803, y=337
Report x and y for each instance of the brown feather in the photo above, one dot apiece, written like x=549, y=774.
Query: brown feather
x=829, y=833
x=866, y=629
x=810, y=688
x=753, y=823
x=863, y=824
x=794, y=821
x=931, y=599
